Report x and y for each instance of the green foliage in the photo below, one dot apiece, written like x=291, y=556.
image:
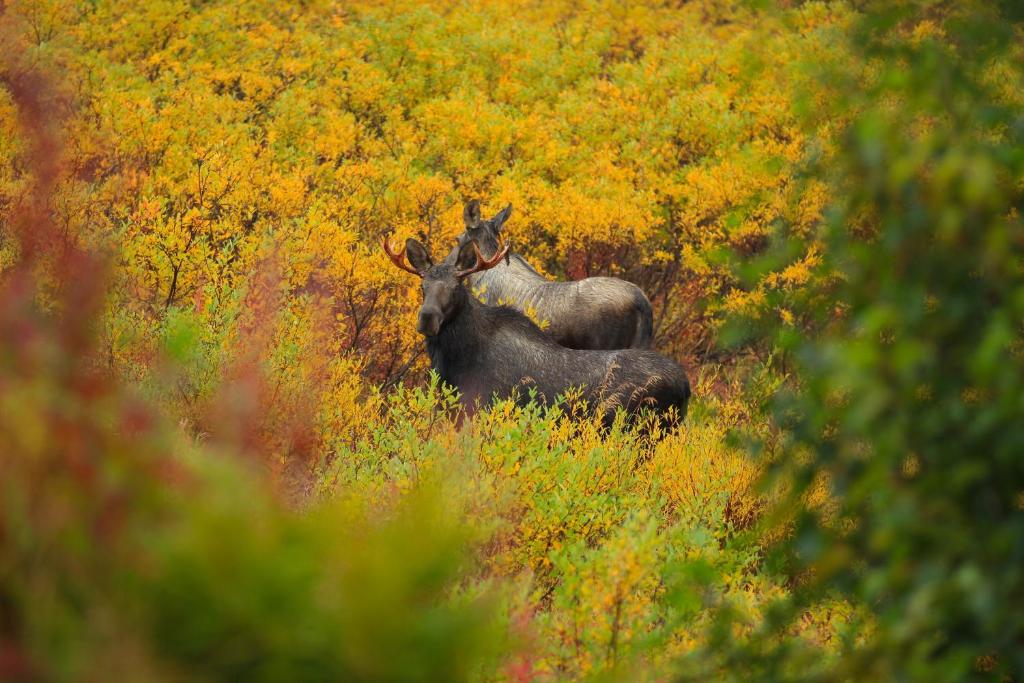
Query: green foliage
x=241, y=591
x=614, y=546
x=907, y=409
x=128, y=552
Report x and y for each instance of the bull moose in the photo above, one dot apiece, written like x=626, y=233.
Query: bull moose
x=593, y=313
x=488, y=351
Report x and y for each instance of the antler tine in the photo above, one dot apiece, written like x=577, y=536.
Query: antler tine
x=399, y=258
x=483, y=263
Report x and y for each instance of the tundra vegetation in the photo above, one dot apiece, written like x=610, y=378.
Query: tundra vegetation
x=222, y=456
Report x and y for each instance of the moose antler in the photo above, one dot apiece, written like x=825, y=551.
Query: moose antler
x=399, y=258
x=483, y=263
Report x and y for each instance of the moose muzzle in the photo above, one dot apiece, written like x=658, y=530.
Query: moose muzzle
x=429, y=322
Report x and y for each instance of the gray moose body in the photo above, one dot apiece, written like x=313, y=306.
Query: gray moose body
x=487, y=351
x=593, y=313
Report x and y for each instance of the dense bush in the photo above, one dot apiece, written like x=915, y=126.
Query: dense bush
x=523, y=543
x=217, y=456
x=642, y=140
x=907, y=408
x=128, y=551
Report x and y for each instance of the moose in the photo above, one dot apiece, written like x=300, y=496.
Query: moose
x=593, y=313
x=486, y=351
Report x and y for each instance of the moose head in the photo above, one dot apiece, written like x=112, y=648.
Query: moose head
x=483, y=232
x=443, y=291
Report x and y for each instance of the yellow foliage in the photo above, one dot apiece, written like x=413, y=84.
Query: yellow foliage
x=631, y=141
x=241, y=161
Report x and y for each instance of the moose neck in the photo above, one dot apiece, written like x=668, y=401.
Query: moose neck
x=519, y=269
x=455, y=347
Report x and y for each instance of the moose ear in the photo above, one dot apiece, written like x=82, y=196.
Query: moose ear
x=419, y=257
x=500, y=218
x=471, y=213
x=467, y=256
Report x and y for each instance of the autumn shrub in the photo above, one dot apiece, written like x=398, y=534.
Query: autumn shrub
x=595, y=535
x=655, y=143
x=222, y=455
x=128, y=550
x=908, y=400
x=247, y=508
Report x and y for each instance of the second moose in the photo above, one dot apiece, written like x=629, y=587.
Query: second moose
x=593, y=313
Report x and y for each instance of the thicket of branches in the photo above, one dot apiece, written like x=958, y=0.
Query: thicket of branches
x=219, y=453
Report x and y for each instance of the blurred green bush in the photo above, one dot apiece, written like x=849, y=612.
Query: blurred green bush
x=907, y=404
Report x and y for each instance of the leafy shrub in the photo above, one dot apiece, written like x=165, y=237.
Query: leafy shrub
x=219, y=461
x=908, y=399
x=128, y=551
